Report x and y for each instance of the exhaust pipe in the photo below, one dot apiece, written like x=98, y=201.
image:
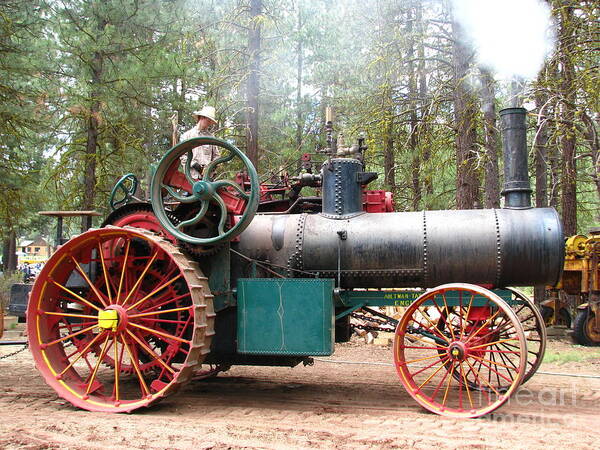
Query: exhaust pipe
x=517, y=190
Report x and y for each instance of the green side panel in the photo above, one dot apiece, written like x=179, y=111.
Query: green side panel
x=404, y=297
x=285, y=316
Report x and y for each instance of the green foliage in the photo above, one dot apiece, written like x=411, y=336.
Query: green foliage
x=581, y=354
x=130, y=65
x=21, y=115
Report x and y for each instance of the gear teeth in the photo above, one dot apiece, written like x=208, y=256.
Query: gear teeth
x=203, y=312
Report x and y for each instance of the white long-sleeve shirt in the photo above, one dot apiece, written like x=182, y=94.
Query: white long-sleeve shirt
x=202, y=154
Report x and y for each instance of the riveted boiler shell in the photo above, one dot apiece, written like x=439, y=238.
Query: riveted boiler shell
x=417, y=249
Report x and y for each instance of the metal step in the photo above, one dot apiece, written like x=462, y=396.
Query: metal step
x=12, y=335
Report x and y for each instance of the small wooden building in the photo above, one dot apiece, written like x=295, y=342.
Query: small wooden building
x=34, y=250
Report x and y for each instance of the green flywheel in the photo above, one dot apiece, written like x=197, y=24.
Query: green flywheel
x=178, y=184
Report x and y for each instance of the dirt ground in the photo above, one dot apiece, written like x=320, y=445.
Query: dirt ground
x=329, y=405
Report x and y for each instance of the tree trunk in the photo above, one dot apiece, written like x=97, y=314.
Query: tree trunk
x=253, y=84
x=422, y=78
x=299, y=70
x=567, y=123
x=465, y=112
x=89, y=174
x=389, y=163
x=540, y=155
x=413, y=141
x=5, y=253
x=179, y=101
x=554, y=161
x=93, y=126
x=491, y=141
x=9, y=256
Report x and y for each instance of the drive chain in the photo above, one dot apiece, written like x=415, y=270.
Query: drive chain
x=391, y=323
x=391, y=327
x=15, y=352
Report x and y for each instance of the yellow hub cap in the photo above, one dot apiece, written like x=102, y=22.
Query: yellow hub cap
x=108, y=319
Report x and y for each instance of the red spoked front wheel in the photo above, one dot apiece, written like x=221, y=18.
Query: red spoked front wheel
x=118, y=319
x=447, y=354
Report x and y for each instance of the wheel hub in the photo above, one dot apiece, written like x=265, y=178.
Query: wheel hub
x=113, y=318
x=108, y=319
x=203, y=190
x=457, y=351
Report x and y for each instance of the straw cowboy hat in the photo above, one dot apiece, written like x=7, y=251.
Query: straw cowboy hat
x=207, y=111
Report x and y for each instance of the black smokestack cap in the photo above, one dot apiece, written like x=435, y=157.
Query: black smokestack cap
x=517, y=190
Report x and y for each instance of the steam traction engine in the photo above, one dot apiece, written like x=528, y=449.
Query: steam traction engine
x=214, y=273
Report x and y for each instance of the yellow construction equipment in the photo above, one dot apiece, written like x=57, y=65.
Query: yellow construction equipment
x=580, y=278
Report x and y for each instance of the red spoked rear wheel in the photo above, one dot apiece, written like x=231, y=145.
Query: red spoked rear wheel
x=534, y=327
x=119, y=319
x=139, y=215
x=446, y=351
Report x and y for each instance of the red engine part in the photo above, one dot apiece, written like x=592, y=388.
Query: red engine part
x=233, y=202
x=267, y=190
x=378, y=201
x=478, y=319
x=479, y=313
x=175, y=178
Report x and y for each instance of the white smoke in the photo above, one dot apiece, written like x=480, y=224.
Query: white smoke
x=512, y=38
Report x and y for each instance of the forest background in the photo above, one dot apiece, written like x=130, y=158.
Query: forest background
x=92, y=89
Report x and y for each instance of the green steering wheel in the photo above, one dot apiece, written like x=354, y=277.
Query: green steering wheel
x=126, y=186
x=173, y=184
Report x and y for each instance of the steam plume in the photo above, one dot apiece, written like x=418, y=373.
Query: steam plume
x=512, y=38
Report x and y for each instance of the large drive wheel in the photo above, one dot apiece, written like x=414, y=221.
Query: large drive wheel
x=138, y=215
x=211, y=195
x=535, y=331
x=583, y=329
x=445, y=345
x=119, y=319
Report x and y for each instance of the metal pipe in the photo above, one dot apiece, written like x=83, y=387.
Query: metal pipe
x=517, y=190
x=13, y=342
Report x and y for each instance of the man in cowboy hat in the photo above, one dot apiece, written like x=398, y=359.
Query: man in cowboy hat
x=204, y=154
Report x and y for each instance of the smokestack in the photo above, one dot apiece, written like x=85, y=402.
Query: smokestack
x=517, y=190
